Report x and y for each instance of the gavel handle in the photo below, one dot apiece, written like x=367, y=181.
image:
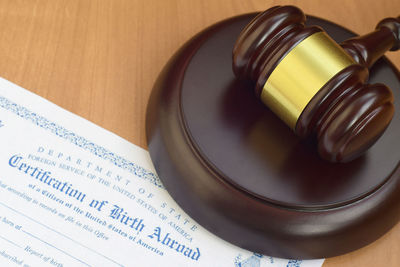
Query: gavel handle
x=368, y=48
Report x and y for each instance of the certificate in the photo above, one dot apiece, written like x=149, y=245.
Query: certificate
x=74, y=194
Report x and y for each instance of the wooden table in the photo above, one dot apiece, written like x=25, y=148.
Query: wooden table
x=99, y=59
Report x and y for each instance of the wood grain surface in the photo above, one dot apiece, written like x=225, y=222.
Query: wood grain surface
x=99, y=59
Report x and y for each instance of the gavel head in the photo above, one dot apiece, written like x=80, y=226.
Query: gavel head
x=312, y=83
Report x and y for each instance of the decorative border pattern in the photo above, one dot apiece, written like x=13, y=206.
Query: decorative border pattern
x=81, y=142
x=294, y=263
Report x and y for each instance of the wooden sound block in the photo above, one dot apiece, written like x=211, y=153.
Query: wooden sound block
x=240, y=172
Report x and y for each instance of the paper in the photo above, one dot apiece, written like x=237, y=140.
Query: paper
x=74, y=194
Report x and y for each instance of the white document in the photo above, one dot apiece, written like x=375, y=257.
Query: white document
x=74, y=194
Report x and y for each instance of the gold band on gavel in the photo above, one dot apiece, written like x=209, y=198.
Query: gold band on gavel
x=301, y=74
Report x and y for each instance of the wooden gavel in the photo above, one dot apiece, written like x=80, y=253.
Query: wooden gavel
x=317, y=87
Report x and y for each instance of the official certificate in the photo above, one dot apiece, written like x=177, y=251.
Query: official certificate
x=74, y=194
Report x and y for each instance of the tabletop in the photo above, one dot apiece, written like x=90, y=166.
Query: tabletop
x=99, y=60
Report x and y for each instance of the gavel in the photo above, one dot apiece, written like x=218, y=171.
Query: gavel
x=316, y=86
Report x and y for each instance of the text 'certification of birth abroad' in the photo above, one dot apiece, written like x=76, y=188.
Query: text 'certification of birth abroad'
x=74, y=194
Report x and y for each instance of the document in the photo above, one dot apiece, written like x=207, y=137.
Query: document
x=74, y=194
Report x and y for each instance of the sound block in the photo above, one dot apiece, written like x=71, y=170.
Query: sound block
x=240, y=172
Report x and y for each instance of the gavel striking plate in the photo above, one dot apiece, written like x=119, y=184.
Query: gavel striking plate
x=278, y=133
